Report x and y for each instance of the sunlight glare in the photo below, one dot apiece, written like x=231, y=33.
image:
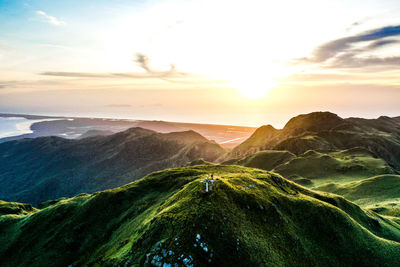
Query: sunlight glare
x=253, y=87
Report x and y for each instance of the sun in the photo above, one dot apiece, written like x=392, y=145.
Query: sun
x=253, y=87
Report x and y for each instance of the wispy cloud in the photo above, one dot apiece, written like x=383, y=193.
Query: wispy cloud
x=144, y=62
x=134, y=75
x=56, y=46
x=96, y=74
x=50, y=19
x=347, y=53
x=358, y=23
x=141, y=60
x=118, y=106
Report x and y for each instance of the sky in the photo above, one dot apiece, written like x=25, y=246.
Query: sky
x=224, y=62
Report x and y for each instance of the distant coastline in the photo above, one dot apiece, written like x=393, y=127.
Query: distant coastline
x=15, y=126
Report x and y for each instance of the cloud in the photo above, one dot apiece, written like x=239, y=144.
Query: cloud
x=178, y=78
x=344, y=52
x=354, y=77
x=134, y=75
x=56, y=46
x=119, y=106
x=142, y=60
x=50, y=19
x=358, y=23
x=151, y=105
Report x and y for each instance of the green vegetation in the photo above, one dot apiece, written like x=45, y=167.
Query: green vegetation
x=315, y=168
x=382, y=188
x=8, y=208
x=265, y=160
x=330, y=154
x=380, y=194
x=389, y=208
x=36, y=170
x=326, y=132
x=342, y=166
x=250, y=218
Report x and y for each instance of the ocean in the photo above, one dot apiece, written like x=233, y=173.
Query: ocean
x=14, y=126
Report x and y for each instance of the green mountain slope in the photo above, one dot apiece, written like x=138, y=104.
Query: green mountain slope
x=265, y=160
x=35, y=170
x=380, y=193
x=267, y=137
x=326, y=132
x=315, y=168
x=377, y=189
x=250, y=218
x=342, y=166
x=7, y=208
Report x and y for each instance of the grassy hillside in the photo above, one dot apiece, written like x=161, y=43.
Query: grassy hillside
x=382, y=188
x=8, y=208
x=315, y=168
x=388, y=208
x=342, y=166
x=36, y=170
x=380, y=193
x=250, y=218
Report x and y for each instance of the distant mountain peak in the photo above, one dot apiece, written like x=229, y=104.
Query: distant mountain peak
x=314, y=121
x=188, y=136
x=267, y=127
x=139, y=130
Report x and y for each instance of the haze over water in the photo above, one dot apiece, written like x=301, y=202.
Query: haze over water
x=13, y=126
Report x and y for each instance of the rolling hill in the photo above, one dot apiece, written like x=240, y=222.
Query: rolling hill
x=250, y=218
x=314, y=168
x=380, y=194
x=342, y=166
x=36, y=170
x=382, y=188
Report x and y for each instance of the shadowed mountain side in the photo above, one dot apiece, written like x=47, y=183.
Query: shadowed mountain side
x=250, y=218
x=9, y=208
x=92, y=133
x=265, y=160
x=35, y=170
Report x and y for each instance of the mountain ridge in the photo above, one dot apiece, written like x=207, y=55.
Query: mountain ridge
x=36, y=170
